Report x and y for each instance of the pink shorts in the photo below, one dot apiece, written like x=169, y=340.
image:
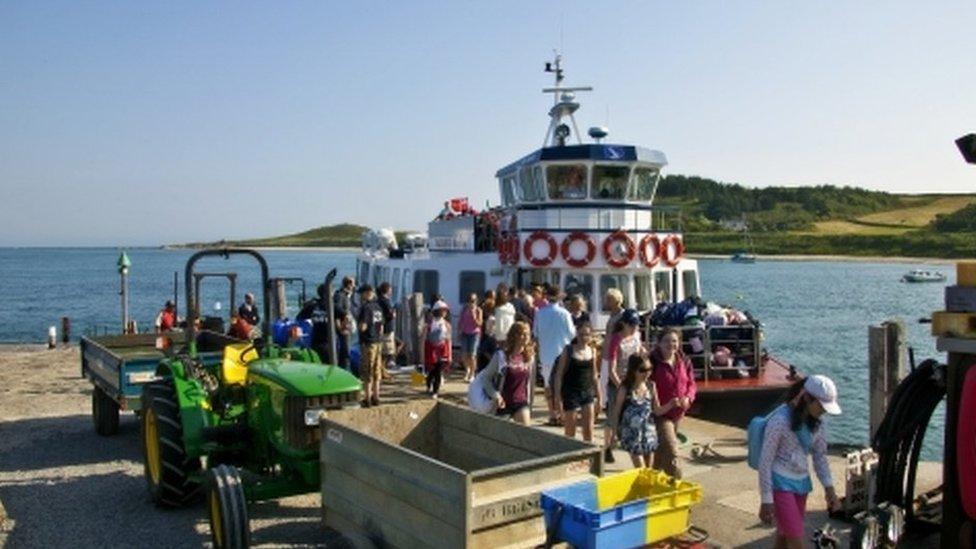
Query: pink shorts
x=789, y=509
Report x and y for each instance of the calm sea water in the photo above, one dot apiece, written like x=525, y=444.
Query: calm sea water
x=816, y=314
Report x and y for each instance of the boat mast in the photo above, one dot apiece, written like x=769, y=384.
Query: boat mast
x=563, y=105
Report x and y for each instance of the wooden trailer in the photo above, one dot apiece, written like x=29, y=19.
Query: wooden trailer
x=434, y=474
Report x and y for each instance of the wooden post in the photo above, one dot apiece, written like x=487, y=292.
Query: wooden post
x=280, y=300
x=416, y=311
x=876, y=364
x=886, y=367
x=65, y=330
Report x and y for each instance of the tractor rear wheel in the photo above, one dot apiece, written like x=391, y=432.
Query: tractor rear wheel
x=229, y=525
x=105, y=412
x=169, y=471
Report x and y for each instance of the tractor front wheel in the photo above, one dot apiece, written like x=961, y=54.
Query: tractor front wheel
x=229, y=525
x=105, y=412
x=169, y=471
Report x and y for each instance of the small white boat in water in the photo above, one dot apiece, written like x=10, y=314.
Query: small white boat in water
x=744, y=257
x=923, y=276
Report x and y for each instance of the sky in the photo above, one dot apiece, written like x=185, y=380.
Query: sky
x=139, y=123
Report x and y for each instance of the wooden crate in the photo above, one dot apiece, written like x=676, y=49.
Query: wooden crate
x=966, y=273
x=948, y=324
x=434, y=474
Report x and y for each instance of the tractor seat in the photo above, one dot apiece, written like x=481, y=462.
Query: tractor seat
x=233, y=369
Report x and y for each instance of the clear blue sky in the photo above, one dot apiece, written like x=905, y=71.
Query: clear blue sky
x=131, y=123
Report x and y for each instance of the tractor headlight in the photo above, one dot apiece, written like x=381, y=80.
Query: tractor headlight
x=891, y=522
x=313, y=416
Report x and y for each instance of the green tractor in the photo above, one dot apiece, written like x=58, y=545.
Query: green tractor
x=236, y=419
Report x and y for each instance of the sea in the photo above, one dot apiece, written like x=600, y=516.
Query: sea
x=815, y=313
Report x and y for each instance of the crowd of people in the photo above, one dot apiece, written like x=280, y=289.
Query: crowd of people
x=511, y=337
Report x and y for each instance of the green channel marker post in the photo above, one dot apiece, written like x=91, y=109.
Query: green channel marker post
x=124, y=264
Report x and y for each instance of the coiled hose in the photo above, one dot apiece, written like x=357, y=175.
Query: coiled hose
x=898, y=440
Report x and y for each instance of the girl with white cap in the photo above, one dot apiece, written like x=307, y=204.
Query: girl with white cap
x=793, y=433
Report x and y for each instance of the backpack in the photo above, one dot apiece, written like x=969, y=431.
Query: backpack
x=756, y=433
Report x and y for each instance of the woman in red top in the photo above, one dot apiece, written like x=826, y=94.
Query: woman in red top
x=675, y=381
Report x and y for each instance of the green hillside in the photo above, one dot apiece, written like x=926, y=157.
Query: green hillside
x=817, y=220
x=343, y=235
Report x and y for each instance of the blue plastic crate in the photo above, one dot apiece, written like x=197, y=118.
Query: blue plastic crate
x=629, y=509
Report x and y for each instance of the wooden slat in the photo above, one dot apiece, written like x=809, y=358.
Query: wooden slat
x=346, y=513
x=533, y=440
x=524, y=533
x=498, y=452
x=492, y=483
x=393, y=514
x=403, y=473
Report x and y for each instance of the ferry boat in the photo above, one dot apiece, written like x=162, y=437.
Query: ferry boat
x=580, y=215
x=923, y=276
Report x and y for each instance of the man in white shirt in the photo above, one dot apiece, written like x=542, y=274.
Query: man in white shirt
x=554, y=329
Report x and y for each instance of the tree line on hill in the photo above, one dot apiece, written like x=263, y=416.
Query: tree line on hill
x=708, y=202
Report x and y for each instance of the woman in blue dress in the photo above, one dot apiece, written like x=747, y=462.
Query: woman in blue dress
x=634, y=411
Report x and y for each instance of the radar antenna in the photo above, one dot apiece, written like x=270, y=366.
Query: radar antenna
x=563, y=105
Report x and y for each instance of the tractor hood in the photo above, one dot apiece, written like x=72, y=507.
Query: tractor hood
x=303, y=378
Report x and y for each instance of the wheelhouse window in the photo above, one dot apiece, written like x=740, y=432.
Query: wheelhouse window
x=395, y=281
x=426, y=282
x=690, y=281
x=508, y=190
x=618, y=281
x=470, y=282
x=566, y=182
x=643, y=292
x=363, y=271
x=645, y=183
x=579, y=284
x=662, y=282
x=610, y=182
x=529, y=189
x=407, y=290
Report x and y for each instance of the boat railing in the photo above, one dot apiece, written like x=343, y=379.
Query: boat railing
x=699, y=344
x=664, y=219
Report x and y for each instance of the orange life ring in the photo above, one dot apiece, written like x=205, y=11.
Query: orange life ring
x=513, y=249
x=550, y=255
x=578, y=236
x=629, y=249
x=666, y=247
x=966, y=443
x=647, y=260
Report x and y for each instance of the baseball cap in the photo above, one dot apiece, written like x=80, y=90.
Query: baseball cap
x=439, y=305
x=630, y=316
x=824, y=390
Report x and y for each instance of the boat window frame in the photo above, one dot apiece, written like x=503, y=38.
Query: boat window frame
x=694, y=280
x=408, y=275
x=588, y=298
x=508, y=183
x=422, y=288
x=625, y=290
x=663, y=275
x=463, y=295
x=533, y=187
x=632, y=192
x=626, y=181
x=586, y=179
x=395, y=282
x=648, y=303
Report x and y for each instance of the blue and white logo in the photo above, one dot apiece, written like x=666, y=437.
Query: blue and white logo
x=613, y=153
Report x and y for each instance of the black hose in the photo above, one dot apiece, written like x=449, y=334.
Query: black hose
x=901, y=433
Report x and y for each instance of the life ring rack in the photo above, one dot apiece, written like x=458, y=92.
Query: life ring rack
x=528, y=249
x=630, y=250
x=578, y=236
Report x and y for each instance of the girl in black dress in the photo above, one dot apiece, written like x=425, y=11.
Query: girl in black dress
x=576, y=386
